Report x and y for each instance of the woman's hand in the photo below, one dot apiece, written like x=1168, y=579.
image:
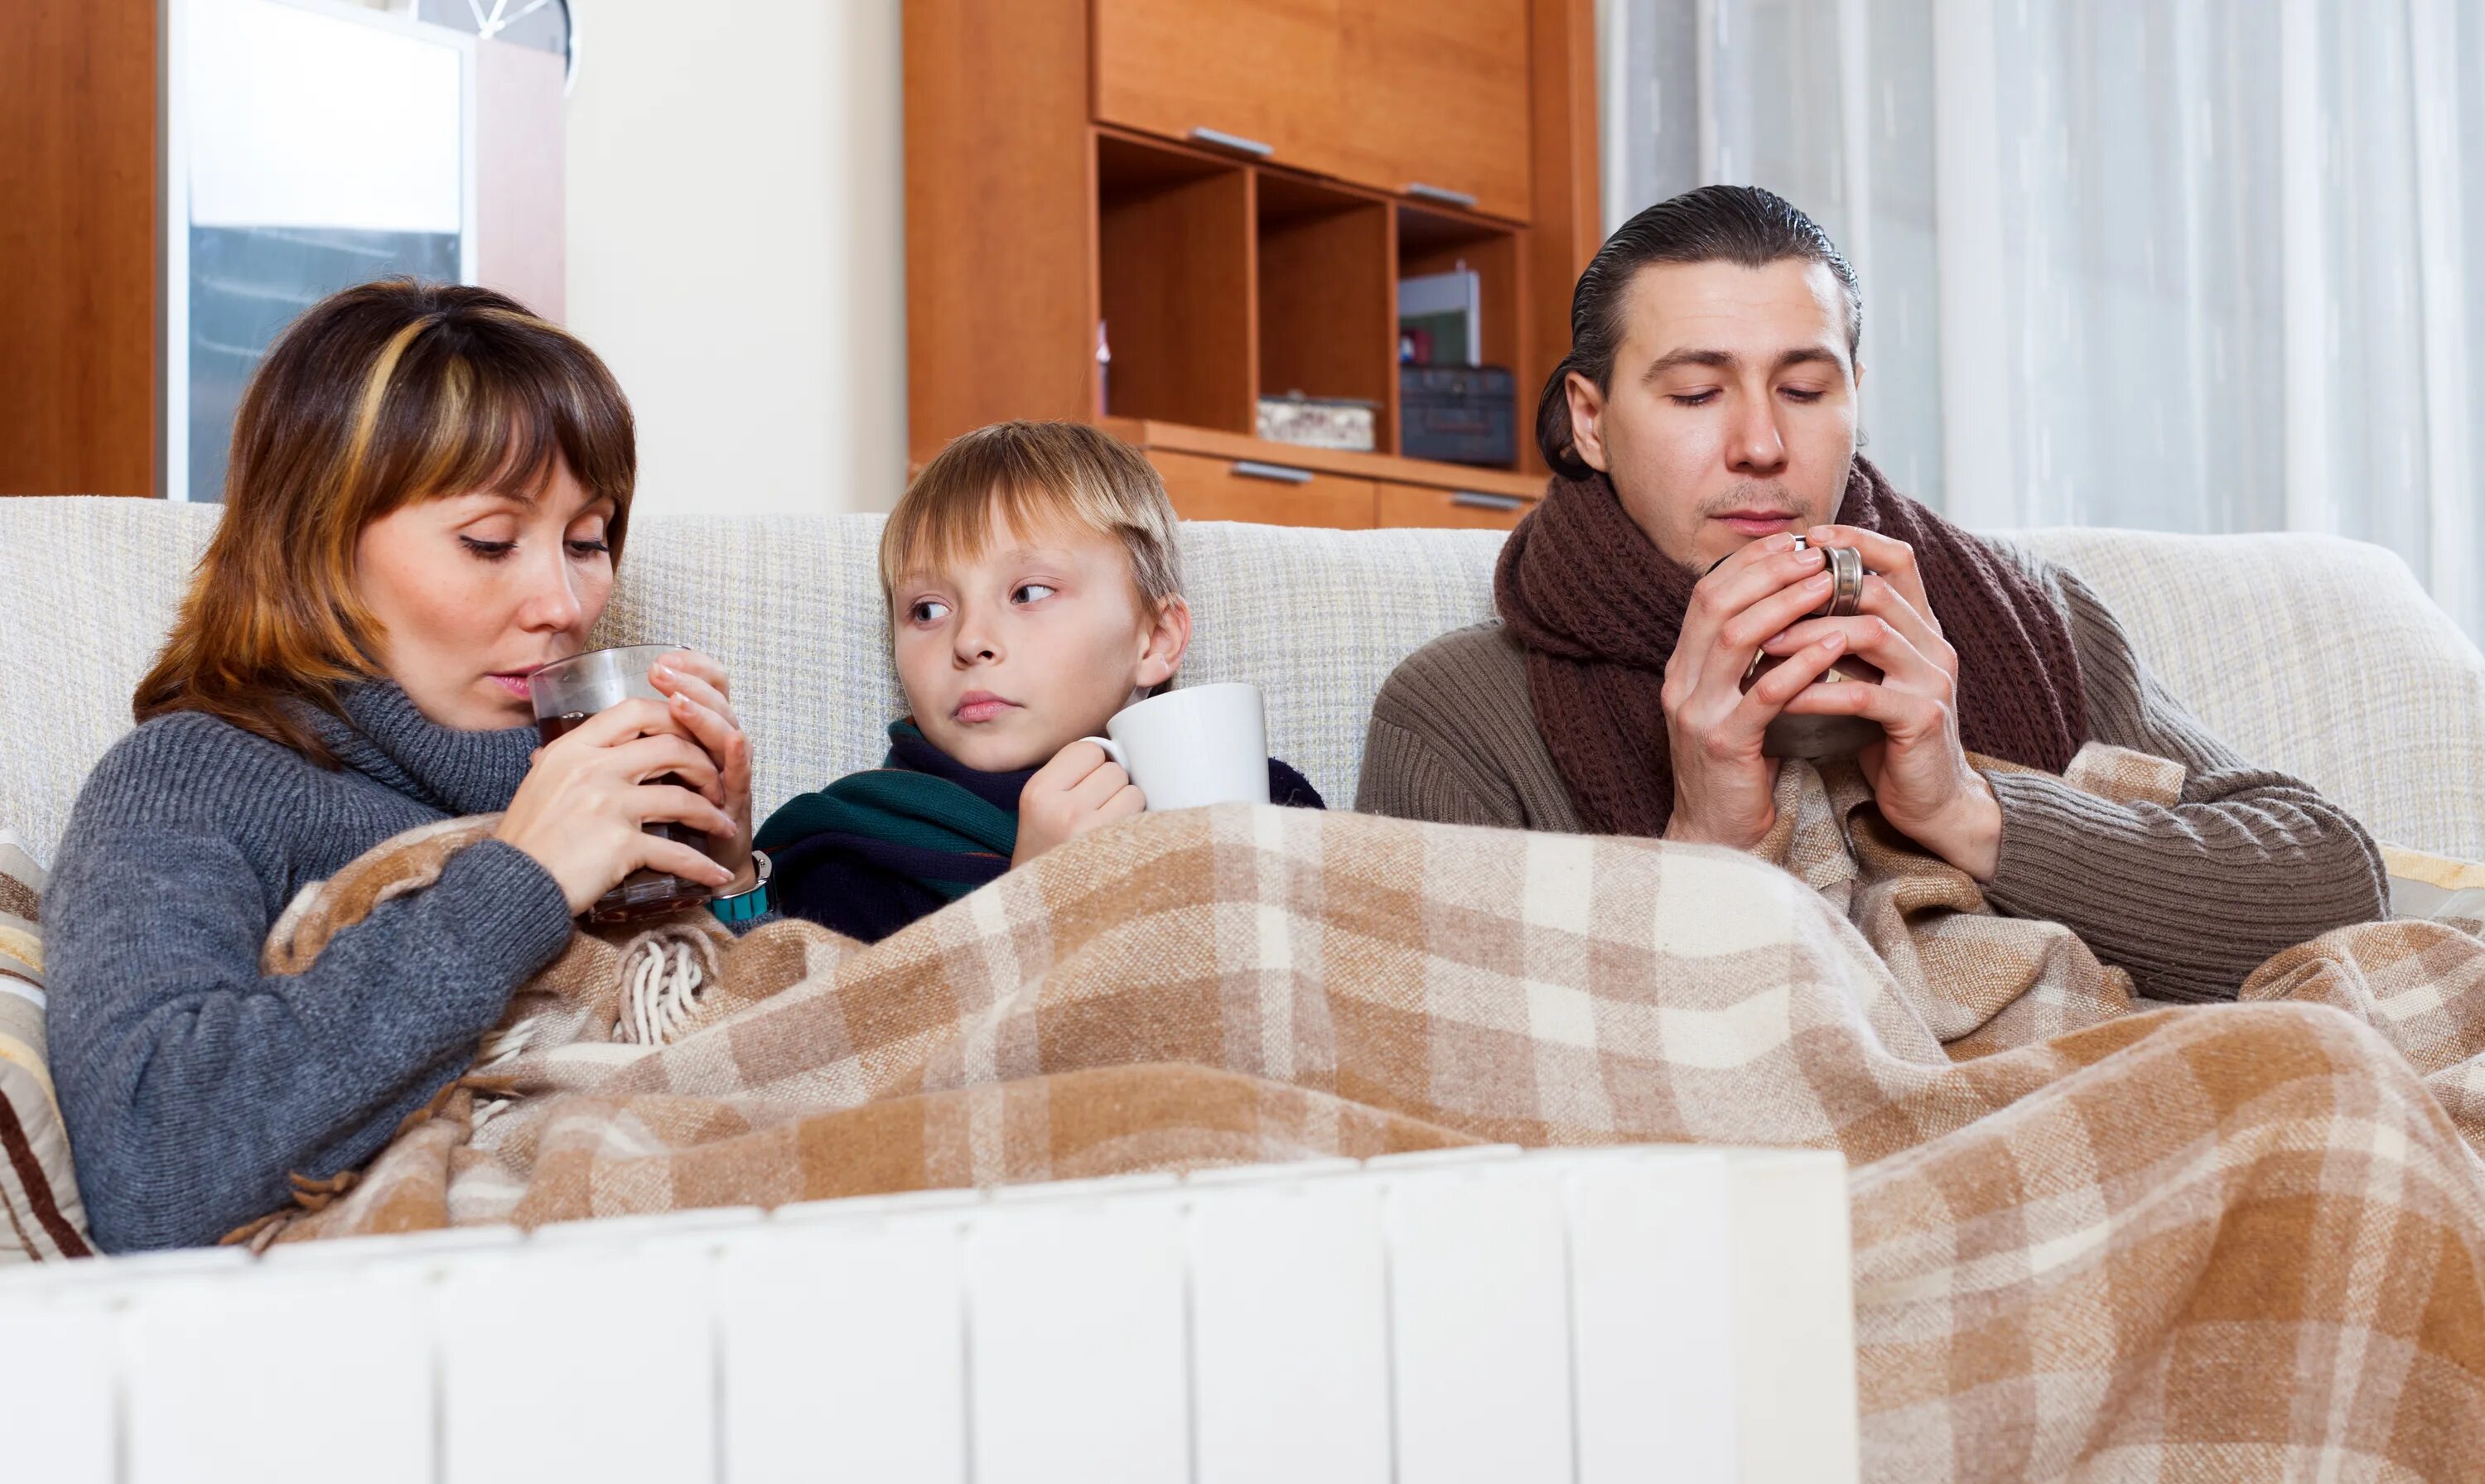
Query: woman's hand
x=1079, y=790
x=579, y=813
x=700, y=697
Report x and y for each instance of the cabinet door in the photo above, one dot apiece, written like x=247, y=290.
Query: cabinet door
x=1439, y=98
x=1423, y=504
x=1207, y=488
x=1259, y=71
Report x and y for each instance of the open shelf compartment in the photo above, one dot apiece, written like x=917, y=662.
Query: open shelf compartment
x=1174, y=283
x=1327, y=319
x=1440, y=241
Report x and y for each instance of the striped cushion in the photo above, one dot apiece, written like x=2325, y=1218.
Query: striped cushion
x=38, y=1196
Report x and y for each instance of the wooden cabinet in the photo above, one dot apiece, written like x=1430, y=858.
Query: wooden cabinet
x=1258, y=77
x=1439, y=106
x=1076, y=247
x=1225, y=477
x=1271, y=494
x=1424, y=504
x=1427, y=98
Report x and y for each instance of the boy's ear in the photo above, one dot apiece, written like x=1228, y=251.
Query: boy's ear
x=1168, y=639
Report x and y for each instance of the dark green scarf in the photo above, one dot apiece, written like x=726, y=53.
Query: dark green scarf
x=875, y=851
x=921, y=814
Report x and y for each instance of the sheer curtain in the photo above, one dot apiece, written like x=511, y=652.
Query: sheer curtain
x=2193, y=266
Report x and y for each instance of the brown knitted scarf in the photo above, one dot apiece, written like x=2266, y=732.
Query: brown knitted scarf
x=1598, y=608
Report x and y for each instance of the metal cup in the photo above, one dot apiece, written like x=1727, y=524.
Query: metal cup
x=1824, y=738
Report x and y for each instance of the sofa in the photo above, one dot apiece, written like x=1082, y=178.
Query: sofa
x=2318, y=656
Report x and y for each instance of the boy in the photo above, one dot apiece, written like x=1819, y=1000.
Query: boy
x=1035, y=589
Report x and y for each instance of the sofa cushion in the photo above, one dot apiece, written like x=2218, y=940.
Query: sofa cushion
x=38, y=1196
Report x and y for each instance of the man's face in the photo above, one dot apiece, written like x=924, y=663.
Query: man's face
x=1730, y=411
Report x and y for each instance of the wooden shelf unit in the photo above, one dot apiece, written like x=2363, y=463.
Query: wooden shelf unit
x=1231, y=477
x=1230, y=190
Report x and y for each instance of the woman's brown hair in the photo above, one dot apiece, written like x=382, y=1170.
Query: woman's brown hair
x=375, y=398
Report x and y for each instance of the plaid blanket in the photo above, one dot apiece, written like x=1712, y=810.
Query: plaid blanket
x=2091, y=1239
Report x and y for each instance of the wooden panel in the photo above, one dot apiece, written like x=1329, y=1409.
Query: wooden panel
x=1439, y=97
x=1001, y=269
x=1261, y=70
x=1205, y=488
x=1327, y=324
x=1175, y=251
x=1420, y=504
x=1180, y=438
x=1567, y=219
x=78, y=247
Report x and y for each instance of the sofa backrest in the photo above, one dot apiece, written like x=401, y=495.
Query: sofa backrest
x=2314, y=655
x=2317, y=655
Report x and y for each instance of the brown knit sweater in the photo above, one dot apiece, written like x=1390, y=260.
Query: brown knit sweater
x=2191, y=899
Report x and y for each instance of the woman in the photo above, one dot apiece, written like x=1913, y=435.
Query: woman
x=427, y=494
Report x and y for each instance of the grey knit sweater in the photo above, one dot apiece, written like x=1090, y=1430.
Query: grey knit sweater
x=193, y=1084
x=2190, y=898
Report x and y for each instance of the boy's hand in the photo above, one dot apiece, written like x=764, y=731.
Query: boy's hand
x=1079, y=790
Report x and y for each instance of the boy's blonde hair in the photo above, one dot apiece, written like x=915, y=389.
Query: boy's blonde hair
x=1034, y=474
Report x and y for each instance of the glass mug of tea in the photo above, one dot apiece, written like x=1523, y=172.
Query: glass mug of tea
x=568, y=692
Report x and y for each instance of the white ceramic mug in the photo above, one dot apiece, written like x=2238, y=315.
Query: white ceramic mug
x=1207, y=745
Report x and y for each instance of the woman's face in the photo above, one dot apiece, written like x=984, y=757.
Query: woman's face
x=473, y=593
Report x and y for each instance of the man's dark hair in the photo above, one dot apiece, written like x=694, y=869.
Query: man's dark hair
x=1736, y=224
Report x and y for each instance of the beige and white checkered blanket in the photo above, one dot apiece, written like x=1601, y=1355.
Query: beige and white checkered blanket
x=2206, y=1243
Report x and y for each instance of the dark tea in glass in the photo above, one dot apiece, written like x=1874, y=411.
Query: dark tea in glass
x=565, y=695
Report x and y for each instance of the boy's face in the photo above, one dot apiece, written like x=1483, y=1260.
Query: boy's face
x=1010, y=657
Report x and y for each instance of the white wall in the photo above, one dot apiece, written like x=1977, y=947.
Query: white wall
x=737, y=245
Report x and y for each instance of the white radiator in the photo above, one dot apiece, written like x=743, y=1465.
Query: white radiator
x=1645, y=1314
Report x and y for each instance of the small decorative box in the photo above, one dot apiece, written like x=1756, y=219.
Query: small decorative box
x=1318, y=421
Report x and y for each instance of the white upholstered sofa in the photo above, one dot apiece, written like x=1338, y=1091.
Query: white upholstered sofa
x=2318, y=656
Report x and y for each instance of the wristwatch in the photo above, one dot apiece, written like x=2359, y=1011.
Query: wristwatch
x=744, y=905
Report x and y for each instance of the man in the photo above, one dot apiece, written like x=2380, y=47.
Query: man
x=1704, y=419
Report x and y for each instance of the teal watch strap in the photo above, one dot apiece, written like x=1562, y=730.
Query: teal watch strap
x=743, y=906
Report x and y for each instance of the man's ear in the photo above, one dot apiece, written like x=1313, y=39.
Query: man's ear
x=1168, y=639
x=1587, y=420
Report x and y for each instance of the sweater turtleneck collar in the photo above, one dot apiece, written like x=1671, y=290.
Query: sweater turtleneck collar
x=383, y=737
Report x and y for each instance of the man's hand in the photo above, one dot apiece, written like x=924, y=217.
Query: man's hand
x=1919, y=773
x=1079, y=790
x=1723, y=787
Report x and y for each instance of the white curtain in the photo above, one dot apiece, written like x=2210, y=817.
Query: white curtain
x=2196, y=265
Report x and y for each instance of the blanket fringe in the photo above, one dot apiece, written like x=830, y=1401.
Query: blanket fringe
x=312, y=1195
x=662, y=972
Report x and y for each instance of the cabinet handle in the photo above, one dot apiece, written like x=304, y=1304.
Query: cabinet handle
x=1253, y=468
x=1476, y=501
x=1240, y=146
x=1440, y=193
